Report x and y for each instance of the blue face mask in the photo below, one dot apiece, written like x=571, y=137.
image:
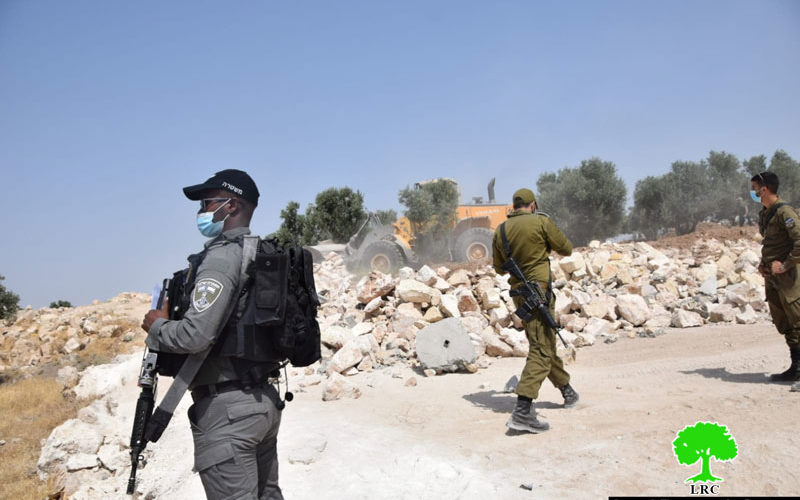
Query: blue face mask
x=206, y=224
x=755, y=198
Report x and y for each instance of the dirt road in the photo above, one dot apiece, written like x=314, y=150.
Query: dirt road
x=445, y=437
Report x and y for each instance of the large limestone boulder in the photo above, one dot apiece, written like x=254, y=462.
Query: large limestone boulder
x=517, y=339
x=433, y=314
x=572, y=263
x=335, y=336
x=500, y=315
x=444, y=345
x=495, y=345
x=686, y=319
x=596, y=327
x=721, y=313
x=633, y=309
x=600, y=307
x=747, y=316
x=459, y=277
x=598, y=260
x=337, y=387
x=347, y=357
x=374, y=285
x=467, y=301
x=490, y=298
x=450, y=306
x=427, y=276
x=414, y=291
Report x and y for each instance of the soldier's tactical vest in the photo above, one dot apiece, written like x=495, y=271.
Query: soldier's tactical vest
x=275, y=318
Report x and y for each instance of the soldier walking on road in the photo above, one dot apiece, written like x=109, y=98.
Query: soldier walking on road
x=532, y=235
x=780, y=255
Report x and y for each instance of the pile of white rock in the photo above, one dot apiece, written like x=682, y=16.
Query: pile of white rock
x=436, y=320
x=601, y=292
x=57, y=335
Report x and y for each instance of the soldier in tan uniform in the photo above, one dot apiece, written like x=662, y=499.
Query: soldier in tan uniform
x=780, y=255
x=532, y=236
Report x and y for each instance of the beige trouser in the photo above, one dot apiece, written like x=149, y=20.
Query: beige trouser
x=785, y=315
x=542, y=361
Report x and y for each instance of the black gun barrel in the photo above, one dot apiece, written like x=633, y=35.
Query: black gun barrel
x=532, y=299
x=146, y=402
x=144, y=408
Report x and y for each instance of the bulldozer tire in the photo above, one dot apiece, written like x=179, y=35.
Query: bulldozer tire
x=382, y=256
x=474, y=244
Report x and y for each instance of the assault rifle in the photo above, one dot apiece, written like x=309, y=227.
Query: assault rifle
x=532, y=298
x=148, y=381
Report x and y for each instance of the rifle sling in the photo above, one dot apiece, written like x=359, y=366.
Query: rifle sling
x=507, y=249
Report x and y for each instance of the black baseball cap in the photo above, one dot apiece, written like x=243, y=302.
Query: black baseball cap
x=236, y=181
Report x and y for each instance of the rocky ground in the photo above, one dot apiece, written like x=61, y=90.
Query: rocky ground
x=445, y=436
x=383, y=415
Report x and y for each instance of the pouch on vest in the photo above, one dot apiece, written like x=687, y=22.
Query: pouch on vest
x=279, y=317
x=270, y=288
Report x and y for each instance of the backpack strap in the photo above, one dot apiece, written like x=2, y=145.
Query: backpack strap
x=507, y=250
x=506, y=246
x=166, y=408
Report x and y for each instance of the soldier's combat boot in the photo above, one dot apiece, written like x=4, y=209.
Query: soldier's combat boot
x=570, y=396
x=792, y=374
x=524, y=418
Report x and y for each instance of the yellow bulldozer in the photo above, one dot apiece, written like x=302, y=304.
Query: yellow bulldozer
x=388, y=247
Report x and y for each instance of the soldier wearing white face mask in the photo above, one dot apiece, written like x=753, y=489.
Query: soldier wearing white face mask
x=236, y=412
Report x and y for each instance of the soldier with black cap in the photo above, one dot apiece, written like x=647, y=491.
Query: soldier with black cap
x=235, y=417
x=531, y=236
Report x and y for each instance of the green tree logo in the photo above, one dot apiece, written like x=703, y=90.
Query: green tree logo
x=702, y=441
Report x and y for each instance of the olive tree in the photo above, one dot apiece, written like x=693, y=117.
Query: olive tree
x=339, y=212
x=587, y=202
x=9, y=301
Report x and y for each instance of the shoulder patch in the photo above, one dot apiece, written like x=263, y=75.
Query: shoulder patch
x=789, y=222
x=206, y=292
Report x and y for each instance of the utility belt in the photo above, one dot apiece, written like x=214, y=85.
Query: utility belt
x=268, y=373
x=203, y=391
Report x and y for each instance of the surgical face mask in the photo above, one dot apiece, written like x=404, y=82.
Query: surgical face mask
x=754, y=196
x=206, y=224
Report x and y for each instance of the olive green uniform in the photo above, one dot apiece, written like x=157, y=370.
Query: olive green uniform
x=235, y=432
x=532, y=237
x=779, y=227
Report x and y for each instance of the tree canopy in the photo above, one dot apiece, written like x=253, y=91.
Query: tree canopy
x=587, y=202
x=339, y=212
x=9, y=301
x=431, y=208
x=713, y=189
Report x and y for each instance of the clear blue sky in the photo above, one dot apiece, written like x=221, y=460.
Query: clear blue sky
x=108, y=108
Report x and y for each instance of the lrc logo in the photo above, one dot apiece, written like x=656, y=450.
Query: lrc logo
x=704, y=489
x=702, y=442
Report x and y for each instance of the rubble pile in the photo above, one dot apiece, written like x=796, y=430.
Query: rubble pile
x=431, y=320
x=601, y=292
x=51, y=336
